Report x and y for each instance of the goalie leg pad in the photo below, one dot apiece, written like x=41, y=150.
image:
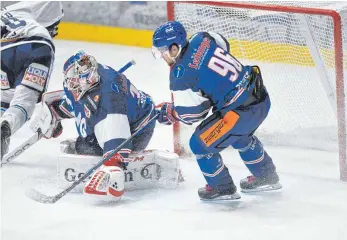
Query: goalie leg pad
x=147, y=169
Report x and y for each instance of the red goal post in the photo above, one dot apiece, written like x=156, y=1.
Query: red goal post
x=338, y=60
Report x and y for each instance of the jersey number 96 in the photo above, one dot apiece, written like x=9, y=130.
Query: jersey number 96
x=223, y=64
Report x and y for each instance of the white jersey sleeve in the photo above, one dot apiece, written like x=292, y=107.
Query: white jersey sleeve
x=21, y=27
x=221, y=41
x=27, y=19
x=190, y=106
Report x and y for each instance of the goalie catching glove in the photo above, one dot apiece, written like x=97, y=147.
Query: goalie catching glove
x=107, y=181
x=49, y=116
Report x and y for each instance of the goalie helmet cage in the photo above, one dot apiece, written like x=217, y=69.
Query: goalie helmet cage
x=300, y=45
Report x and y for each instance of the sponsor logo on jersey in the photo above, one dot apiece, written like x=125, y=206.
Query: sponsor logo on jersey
x=96, y=98
x=35, y=76
x=178, y=71
x=244, y=82
x=92, y=103
x=219, y=129
x=5, y=84
x=86, y=111
x=199, y=56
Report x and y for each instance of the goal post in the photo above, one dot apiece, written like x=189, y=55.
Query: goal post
x=301, y=47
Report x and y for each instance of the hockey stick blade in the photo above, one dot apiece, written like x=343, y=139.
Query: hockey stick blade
x=39, y=197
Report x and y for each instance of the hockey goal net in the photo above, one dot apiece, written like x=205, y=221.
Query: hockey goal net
x=301, y=50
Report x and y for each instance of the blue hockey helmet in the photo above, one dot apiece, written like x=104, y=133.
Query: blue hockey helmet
x=80, y=74
x=166, y=35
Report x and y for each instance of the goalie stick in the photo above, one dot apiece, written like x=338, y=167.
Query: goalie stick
x=9, y=157
x=39, y=197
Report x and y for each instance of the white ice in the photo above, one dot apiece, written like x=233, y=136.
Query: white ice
x=312, y=204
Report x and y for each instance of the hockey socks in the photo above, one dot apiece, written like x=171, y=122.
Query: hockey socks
x=259, y=164
x=254, y=156
x=215, y=172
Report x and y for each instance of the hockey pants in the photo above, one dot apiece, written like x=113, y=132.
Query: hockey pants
x=231, y=128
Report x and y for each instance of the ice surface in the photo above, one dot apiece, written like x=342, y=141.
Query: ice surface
x=312, y=204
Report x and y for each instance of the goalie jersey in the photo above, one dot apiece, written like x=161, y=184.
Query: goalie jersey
x=207, y=76
x=112, y=110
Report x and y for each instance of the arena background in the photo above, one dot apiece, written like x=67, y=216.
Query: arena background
x=132, y=23
x=129, y=23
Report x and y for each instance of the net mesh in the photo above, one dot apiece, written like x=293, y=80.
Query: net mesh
x=296, y=55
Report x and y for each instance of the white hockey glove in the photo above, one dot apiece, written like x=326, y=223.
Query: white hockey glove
x=47, y=118
x=106, y=183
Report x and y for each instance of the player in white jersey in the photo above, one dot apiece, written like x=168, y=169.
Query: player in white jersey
x=27, y=56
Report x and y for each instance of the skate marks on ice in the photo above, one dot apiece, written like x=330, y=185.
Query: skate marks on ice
x=297, y=190
x=37, y=169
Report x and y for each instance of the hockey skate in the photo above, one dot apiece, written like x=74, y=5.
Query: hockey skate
x=260, y=184
x=209, y=194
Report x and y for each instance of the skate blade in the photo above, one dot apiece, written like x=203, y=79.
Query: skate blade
x=264, y=188
x=234, y=196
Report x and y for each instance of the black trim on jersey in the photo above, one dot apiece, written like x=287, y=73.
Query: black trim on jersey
x=31, y=88
x=184, y=49
x=33, y=38
x=5, y=105
x=56, y=106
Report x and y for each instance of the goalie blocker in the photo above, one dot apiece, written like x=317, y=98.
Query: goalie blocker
x=147, y=169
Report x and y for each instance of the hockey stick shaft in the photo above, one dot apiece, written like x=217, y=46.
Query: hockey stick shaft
x=126, y=66
x=9, y=157
x=21, y=148
x=47, y=199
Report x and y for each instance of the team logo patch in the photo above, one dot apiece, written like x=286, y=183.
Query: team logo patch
x=35, y=76
x=96, y=98
x=5, y=84
x=178, y=71
x=86, y=111
x=115, y=87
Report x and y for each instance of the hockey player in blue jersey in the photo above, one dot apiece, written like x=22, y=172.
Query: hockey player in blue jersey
x=107, y=109
x=204, y=76
x=27, y=56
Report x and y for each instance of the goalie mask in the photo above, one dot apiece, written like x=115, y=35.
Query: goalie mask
x=80, y=74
